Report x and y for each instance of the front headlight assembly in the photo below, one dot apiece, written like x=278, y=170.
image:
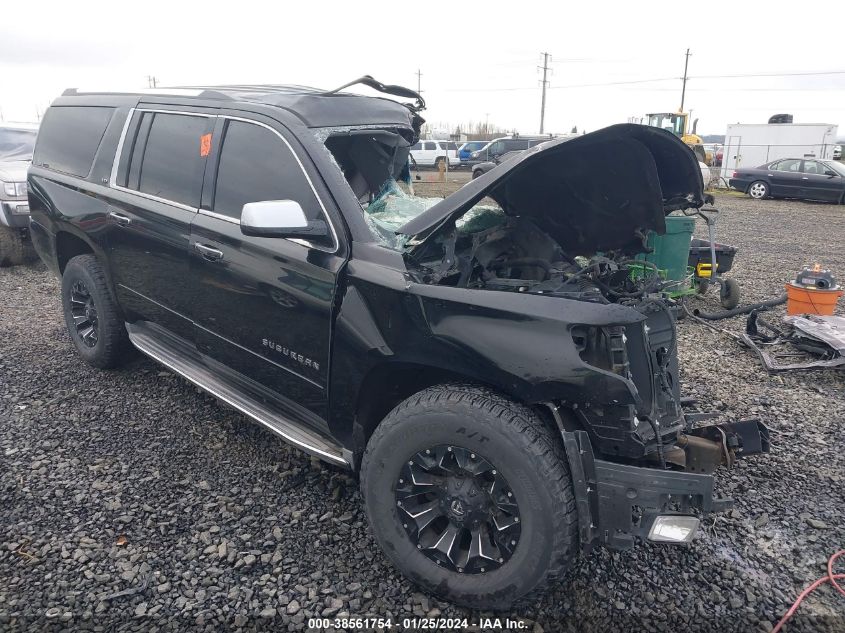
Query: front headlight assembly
x=14, y=189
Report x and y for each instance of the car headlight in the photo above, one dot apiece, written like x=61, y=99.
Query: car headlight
x=14, y=189
x=474, y=155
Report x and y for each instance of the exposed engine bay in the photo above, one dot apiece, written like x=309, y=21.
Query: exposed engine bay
x=517, y=256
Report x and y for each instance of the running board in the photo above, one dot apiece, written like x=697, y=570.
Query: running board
x=191, y=367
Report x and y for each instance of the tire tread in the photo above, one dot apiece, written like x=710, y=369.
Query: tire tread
x=112, y=331
x=540, y=446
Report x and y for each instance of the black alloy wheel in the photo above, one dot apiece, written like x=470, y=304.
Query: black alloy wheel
x=83, y=310
x=458, y=509
x=93, y=318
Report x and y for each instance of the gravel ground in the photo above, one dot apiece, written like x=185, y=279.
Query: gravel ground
x=129, y=500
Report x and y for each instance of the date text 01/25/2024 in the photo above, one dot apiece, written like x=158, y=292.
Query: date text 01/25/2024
x=420, y=624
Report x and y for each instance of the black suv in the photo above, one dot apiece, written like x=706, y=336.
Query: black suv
x=496, y=365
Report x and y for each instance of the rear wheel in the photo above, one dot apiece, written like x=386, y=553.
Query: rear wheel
x=91, y=314
x=758, y=190
x=470, y=496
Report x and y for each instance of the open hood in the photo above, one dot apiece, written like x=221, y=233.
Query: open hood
x=597, y=192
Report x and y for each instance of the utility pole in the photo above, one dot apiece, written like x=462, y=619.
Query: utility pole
x=152, y=82
x=545, y=68
x=684, y=87
x=419, y=82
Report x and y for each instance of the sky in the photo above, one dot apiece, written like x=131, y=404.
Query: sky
x=610, y=61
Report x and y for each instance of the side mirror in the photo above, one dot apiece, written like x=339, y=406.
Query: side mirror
x=279, y=218
x=830, y=174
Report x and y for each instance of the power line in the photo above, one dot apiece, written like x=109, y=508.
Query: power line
x=545, y=68
x=646, y=81
x=795, y=74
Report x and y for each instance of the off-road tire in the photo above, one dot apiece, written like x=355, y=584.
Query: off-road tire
x=112, y=348
x=14, y=247
x=516, y=442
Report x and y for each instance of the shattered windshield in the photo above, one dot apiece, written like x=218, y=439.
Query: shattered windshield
x=375, y=164
x=396, y=204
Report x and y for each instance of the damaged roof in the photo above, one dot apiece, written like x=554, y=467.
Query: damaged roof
x=318, y=108
x=314, y=107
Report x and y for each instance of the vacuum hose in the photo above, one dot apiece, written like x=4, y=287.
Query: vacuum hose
x=763, y=305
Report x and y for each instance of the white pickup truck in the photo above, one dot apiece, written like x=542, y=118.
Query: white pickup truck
x=434, y=153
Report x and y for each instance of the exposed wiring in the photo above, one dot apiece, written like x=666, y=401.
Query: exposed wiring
x=831, y=578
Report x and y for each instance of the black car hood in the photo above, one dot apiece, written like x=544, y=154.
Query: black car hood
x=597, y=192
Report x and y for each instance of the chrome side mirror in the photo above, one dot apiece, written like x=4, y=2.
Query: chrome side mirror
x=279, y=218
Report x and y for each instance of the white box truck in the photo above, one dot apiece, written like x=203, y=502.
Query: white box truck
x=754, y=144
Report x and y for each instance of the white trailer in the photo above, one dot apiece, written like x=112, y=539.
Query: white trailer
x=753, y=144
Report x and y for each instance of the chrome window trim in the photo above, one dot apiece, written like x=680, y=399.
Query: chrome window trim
x=119, y=150
x=219, y=216
x=306, y=243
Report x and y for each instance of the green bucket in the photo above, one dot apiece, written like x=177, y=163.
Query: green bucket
x=670, y=251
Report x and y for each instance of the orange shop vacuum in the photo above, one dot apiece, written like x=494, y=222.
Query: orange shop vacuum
x=814, y=291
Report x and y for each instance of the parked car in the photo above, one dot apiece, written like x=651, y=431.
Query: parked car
x=483, y=168
x=807, y=179
x=837, y=152
x=468, y=148
x=435, y=153
x=503, y=145
x=505, y=402
x=16, y=144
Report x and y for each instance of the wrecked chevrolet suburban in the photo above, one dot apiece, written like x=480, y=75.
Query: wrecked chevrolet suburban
x=497, y=366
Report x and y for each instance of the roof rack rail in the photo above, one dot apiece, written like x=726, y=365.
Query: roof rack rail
x=174, y=92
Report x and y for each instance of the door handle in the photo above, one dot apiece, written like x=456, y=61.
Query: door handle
x=805, y=177
x=122, y=220
x=209, y=253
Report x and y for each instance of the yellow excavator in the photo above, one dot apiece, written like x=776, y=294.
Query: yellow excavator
x=678, y=124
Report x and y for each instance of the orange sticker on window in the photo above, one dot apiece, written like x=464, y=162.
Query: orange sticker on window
x=205, y=144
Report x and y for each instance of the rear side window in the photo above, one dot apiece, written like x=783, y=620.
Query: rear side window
x=790, y=164
x=166, y=158
x=173, y=163
x=256, y=165
x=69, y=137
x=416, y=146
x=429, y=146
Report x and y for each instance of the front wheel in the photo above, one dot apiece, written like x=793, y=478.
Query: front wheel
x=470, y=496
x=91, y=314
x=758, y=190
x=476, y=173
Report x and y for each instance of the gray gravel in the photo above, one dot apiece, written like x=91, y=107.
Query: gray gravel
x=129, y=500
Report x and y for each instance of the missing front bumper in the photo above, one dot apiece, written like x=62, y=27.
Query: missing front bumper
x=620, y=503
